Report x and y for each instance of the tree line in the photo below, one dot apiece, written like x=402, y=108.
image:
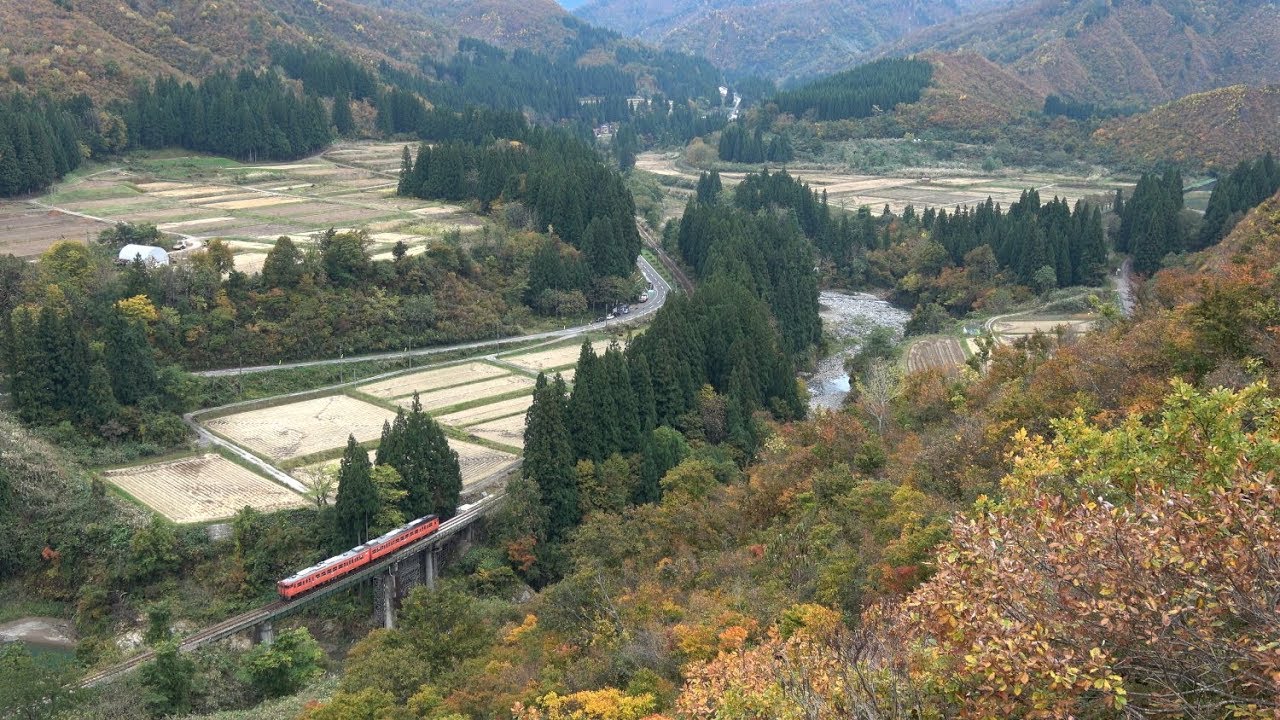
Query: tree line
x=1150, y=227
x=703, y=371
x=249, y=116
x=1234, y=195
x=858, y=93
x=574, y=196
x=39, y=143
x=1045, y=245
x=736, y=144
x=324, y=72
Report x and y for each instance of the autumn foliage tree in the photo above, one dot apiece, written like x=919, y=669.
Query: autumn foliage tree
x=1127, y=568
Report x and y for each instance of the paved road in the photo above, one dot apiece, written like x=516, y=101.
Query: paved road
x=638, y=312
x=1123, y=280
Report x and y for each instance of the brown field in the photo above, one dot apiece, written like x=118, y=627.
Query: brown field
x=302, y=428
x=478, y=462
x=556, y=357
x=944, y=354
x=427, y=380
x=250, y=263
x=492, y=411
x=27, y=231
x=257, y=202
x=506, y=431
x=202, y=489
x=1030, y=327
x=492, y=387
x=212, y=199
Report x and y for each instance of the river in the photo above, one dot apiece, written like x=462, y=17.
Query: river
x=846, y=319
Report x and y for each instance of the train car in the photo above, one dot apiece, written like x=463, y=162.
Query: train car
x=339, y=566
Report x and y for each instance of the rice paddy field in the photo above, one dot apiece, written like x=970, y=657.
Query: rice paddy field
x=428, y=380
x=293, y=430
x=559, y=357
x=920, y=187
x=350, y=186
x=202, y=489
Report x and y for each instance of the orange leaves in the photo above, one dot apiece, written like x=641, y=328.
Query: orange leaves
x=1125, y=566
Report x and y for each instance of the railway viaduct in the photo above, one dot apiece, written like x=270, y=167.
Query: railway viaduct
x=393, y=577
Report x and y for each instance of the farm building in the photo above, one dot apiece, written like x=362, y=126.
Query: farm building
x=150, y=254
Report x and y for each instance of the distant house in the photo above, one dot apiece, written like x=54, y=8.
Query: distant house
x=150, y=254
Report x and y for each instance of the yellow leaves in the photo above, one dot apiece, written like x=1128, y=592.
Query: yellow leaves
x=138, y=308
x=515, y=634
x=604, y=704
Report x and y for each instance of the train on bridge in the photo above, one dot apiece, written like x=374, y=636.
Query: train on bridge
x=353, y=560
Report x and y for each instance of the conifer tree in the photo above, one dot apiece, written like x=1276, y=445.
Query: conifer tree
x=129, y=360
x=548, y=456
x=343, y=122
x=357, y=503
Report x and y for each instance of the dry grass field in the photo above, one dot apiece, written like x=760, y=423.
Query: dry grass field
x=506, y=431
x=562, y=356
x=492, y=387
x=202, y=489
x=428, y=380
x=302, y=428
x=492, y=411
x=946, y=354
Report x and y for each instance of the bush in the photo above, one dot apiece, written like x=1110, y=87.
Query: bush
x=284, y=666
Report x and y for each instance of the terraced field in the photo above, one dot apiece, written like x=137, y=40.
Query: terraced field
x=492, y=387
x=428, y=380
x=506, y=431
x=203, y=197
x=482, y=413
x=946, y=354
x=202, y=489
x=302, y=428
x=562, y=356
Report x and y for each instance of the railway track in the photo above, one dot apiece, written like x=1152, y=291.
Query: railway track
x=246, y=620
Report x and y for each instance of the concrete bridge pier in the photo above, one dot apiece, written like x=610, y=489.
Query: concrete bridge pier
x=389, y=597
x=427, y=567
x=264, y=633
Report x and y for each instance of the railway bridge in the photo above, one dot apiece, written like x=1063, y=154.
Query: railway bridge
x=394, y=575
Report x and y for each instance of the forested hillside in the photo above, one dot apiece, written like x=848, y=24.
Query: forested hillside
x=1215, y=129
x=858, y=545
x=1119, y=52
x=770, y=38
x=101, y=47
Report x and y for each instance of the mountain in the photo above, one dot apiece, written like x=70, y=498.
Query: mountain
x=1119, y=52
x=774, y=38
x=103, y=46
x=1215, y=129
x=531, y=24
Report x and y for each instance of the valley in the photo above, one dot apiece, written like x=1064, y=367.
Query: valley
x=494, y=360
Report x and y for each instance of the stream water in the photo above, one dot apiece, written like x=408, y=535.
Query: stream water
x=846, y=319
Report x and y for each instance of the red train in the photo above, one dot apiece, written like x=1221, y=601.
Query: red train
x=339, y=566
